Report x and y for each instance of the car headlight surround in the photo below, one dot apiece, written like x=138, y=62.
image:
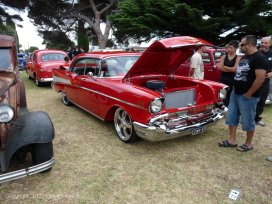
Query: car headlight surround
x=6, y=113
x=156, y=105
x=222, y=94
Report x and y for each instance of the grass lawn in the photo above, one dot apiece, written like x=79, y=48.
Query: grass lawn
x=94, y=166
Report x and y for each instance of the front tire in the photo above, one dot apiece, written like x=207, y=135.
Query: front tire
x=65, y=99
x=42, y=152
x=124, y=127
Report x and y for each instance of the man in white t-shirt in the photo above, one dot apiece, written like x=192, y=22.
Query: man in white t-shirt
x=196, y=64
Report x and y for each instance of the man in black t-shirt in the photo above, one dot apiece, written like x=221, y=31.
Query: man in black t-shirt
x=248, y=79
x=264, y=48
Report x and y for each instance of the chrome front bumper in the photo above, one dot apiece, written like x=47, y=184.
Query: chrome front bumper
x=160, y=133
x=46, y=79
x=27, y=172
x=269, y=99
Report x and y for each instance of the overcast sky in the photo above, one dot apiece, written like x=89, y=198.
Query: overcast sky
x=28, y=35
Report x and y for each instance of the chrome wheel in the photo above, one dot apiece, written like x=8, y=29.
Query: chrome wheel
x=37, y=81
x=65, y=99
x=124, y=127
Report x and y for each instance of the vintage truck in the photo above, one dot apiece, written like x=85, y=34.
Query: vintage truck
x=21, y=132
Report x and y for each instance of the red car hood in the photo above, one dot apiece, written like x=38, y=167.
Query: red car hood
x=164, y=56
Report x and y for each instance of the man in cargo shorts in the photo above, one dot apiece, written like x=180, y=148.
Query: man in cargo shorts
x=248, y=79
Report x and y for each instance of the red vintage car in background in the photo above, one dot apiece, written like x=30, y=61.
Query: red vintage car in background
x=41, y=63
x=140, y=93
x=211, y=59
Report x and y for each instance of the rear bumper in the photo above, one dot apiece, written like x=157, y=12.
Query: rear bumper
x=46, y=79
x=27, y=172
x=160, y=133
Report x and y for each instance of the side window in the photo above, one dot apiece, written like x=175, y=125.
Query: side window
x=218, y=55
x=5, y=59
x=92, y=65
x=79, y=67
x=34, y=57
x=206, y=58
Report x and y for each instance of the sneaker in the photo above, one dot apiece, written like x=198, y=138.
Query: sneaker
x=261, y=123
x=269, y=158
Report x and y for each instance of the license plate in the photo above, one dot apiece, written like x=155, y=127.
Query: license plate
x=198, y=130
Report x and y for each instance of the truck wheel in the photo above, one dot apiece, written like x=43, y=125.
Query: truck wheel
x=124, y=127
x=42, y=152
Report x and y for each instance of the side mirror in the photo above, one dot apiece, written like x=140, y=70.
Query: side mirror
x=90, y=74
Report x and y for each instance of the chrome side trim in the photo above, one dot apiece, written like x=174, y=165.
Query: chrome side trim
x=57, y=79
x=87, y=111
x=102, y=94
x=27, y=172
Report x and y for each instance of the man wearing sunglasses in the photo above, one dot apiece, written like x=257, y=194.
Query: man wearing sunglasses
x=248, y=79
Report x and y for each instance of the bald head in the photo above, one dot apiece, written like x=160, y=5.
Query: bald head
x=265, y=44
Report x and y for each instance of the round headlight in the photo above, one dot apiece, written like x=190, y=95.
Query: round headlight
x=6, y=113
x=223, y=93
x=155, y=106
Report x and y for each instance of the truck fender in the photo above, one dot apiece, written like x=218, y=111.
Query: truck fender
x=32, y=127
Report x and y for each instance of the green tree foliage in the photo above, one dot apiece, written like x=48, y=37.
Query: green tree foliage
x=64, y=14
x=16, y=5
x=83, y=40
x=56, y=40
x=142, y=20
x=7, y=20
x=31, y=49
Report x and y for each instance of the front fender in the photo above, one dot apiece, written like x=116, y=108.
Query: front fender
x=32, y=127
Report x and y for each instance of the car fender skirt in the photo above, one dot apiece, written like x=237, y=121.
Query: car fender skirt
x=32, y=127
x=154, y=133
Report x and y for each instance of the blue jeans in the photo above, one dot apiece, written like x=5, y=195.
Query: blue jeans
x=242, y=106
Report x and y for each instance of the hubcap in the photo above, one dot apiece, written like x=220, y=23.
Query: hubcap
x=123, y=124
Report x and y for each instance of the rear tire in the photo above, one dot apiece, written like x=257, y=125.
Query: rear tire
x=42, y=152
x=37, y=81
x=65, y=99
x=28, y=76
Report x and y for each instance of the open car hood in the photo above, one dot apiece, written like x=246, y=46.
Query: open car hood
x=164, y=56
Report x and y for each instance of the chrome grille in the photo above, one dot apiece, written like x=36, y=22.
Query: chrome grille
x=179, y=99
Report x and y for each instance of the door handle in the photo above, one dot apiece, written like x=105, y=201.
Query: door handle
x=82, y=79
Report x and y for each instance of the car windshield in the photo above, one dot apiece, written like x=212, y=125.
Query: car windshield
x=5, y=62
x=53, y=56
x=118, y=66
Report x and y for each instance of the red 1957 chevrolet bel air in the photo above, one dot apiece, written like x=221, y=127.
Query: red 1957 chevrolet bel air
x=140, y=93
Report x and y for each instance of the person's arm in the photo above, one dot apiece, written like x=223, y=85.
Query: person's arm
x=193, y=65
x=260, y=77
x=268, y=75
x=191, y=72
x=234, y=68
x=221, y=64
